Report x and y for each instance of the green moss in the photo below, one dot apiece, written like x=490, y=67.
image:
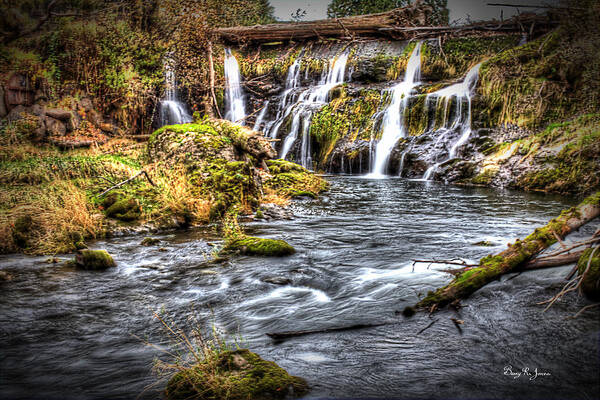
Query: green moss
x=590, y=286
x=94, y=259
x=254, y=246
x=485, y=177
x=127, y=209
x=241, y=375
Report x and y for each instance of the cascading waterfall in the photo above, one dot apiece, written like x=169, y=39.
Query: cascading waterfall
x=234, y=96
x=292, y=81
x=393, y=119
x=172, y=111
x=308, y=102
x=462, y=92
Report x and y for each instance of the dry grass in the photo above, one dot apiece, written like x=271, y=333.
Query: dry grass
x=177, y=196
x=271, y=196
x=60, y=213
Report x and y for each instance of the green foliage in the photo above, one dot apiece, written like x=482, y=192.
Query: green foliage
x=345, y=8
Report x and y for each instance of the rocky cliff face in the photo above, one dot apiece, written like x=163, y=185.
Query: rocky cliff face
x=522, y=88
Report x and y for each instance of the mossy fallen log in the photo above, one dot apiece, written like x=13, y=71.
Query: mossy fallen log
x=493, y=266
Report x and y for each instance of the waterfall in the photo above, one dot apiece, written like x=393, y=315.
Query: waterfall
x=462, y=92
x=393, y=119
x=172, y=111
x=261, y=116
x=309, y=101
x=234, y=97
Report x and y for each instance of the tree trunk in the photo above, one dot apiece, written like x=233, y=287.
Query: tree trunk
x=402, y=23
x=517, y=254
x=211, y=79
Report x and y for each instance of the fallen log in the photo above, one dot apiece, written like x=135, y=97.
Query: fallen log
x=401, y=23
x=493, y=266
x=290, y=334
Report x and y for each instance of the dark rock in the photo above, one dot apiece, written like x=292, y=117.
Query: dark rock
x=55, y=127
x=56, y=113
x=590, y=285
x=277, y=280
x=5, y=276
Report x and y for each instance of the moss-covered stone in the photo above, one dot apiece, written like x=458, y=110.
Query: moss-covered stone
x=148, y=241
x=253, y=246
x=590, y=286
x=126, y=210
x=21, y=231
x=293, y=180
x=94, y=260
x=237, y=375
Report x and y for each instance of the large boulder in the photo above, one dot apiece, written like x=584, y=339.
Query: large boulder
x=55, y=127
x=234, y=375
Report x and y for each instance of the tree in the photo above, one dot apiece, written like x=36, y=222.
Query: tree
x=346, y=8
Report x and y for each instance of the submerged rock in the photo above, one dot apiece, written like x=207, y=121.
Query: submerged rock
x=94, y=260
x=253, y=246
x=234, y=375
x=148, y=241
x=591, y=280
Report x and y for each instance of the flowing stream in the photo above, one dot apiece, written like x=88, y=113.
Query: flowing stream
x=69, y=334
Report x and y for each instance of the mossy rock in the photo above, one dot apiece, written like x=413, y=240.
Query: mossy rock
x=125, y=210
x=591, y=282
x=240, y=375
x=21, y=231
x=95, y=260
x=253, y=246
x=148, y=241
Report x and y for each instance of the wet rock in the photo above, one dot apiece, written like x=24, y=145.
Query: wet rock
x=484, y=243
x=94, y=260
x=234, y=375
x=5, y=276
x=253, y=246
x=277, y=280
x=148, y=241
x=273, y=211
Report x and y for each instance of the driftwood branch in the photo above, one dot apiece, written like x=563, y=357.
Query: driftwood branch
x=118, y=185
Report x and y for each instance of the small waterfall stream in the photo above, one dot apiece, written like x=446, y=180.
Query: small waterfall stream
x=462, y=93
x=393, y=119
x=234, y=96
x=309, y=101
x=172, y=111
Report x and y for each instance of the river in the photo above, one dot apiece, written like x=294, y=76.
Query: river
x=70, y=334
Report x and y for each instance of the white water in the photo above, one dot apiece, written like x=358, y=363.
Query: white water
x=393, y=120
x=462, y=92
x=261, y=116
x=234, y=96
x=303, y=109
x=172, y=111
